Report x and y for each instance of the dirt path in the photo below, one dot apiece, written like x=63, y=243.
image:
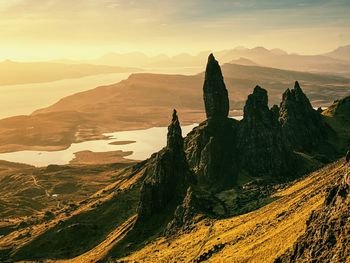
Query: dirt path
x=205, y=240
x=40, y=186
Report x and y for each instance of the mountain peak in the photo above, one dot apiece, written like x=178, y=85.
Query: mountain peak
x=342, y=53
x=301, y=124
x=257, y=100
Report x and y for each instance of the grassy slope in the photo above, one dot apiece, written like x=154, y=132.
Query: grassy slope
x=76, y=229
x=258, y=236
x=26, y=190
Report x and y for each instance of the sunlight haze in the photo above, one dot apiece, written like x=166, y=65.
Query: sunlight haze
x=85, y=29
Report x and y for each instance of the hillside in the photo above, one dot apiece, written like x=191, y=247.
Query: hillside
x=109, y=108
x=244, y=62
x=340, y=53
x=36, y=72
x=258, y=236
x=26, y=190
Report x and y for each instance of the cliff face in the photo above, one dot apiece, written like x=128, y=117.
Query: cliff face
x=168, y=182
x=262, y=148
x=327, y=236
x=301, y=124
x=211, y=153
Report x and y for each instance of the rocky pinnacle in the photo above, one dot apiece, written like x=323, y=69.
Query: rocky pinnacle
x=174, y=137
x=214, y=91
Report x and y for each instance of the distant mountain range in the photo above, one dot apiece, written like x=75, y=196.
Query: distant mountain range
x=335, y=62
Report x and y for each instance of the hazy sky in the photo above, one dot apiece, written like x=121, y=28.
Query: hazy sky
x=45, y=29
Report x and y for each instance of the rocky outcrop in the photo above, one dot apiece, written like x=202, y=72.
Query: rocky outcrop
x=261, y=146
x=327, y=236
x=165, y=186
x=211, y=147
x=211, y=154
x=302, y=125
x=184, y=213
x=214, y=91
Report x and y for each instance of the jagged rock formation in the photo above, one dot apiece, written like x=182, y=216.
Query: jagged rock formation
x=327, y=237
x=168, y=182
x=262, y=148
x=214, y=91
x=183, y=215
x=210, y=148
x=302, y=125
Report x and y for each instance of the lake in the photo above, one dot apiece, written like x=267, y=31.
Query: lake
x=147, y=141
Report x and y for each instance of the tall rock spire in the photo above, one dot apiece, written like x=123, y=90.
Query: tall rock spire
x=214, y=91
x=174, y=137
x=169, y=175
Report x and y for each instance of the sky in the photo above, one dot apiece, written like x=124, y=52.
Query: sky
x=82, y=29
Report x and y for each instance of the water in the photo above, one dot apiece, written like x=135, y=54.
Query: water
x=25, y=98
x=147, y=142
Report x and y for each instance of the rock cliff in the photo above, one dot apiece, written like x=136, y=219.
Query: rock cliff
x=262, y=148
x=302, y=126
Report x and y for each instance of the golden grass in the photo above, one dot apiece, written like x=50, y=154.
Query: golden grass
x=107, y=193
x=259, y=236
x=100, y=251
